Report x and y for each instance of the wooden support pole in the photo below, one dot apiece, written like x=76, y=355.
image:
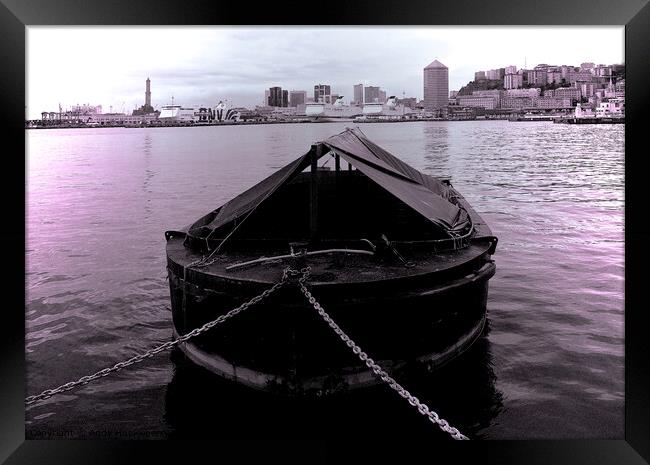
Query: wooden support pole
x=313, y=218
x=349, y=166
x=337, y=169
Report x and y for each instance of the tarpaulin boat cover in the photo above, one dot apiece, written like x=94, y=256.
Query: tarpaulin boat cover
x=424, y=194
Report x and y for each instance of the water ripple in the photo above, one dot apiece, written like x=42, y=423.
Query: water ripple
x=99, y=200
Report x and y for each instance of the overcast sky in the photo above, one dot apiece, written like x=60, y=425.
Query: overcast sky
x=108, y=66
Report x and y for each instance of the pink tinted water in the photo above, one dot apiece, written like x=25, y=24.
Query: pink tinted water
x=99, y=201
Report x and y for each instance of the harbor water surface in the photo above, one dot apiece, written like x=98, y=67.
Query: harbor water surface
x=550, y=364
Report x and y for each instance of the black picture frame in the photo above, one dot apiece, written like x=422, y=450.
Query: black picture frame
x=15, y=15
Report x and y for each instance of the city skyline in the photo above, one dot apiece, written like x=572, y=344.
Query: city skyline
x=106, y=66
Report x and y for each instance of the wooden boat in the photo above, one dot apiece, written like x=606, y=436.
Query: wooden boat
x=398, y=258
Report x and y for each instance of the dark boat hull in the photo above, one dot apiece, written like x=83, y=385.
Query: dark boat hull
x=398, y=259
x=283, y=345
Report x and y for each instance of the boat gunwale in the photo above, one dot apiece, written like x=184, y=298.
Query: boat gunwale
x=224, y=275
x=481, y=234
x=350, y=294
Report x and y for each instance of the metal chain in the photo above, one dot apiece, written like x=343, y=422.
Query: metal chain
x=378, y=370
x=167, y=345
x=288, y=272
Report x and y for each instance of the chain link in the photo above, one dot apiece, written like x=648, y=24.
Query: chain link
x=288, y=273
x=167, y=345
x=376, y=369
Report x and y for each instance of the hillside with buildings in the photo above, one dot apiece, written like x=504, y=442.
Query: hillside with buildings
x=543, y=89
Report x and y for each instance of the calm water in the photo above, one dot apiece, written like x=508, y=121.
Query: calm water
x=99, y=200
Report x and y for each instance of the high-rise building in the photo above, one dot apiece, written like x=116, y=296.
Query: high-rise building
x=285, y=98
x=564, y=70
x=267, y=94
x=587, y=89
x=358, y=94
x=553, y=77
x=479, y=76
x=277, y=97
x=510, y=70
x=620, y=85
x=436, y=86
x=602, y=70
x=371, y=94
x=537, y=77
x=297, y=97
x=582, y=75
x=322, y=93
x=495, y=74
x=513, y=81
x=382, y=96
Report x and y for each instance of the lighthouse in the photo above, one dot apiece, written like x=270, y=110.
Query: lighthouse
x=145, y=109
x=147, y=95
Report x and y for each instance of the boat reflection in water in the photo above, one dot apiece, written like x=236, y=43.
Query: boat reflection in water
x=201, y=405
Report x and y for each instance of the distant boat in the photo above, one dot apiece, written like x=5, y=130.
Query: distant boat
x=389, y=110
x=176, y=114
x=398, y=258
x=336, y=112
x=222, y=113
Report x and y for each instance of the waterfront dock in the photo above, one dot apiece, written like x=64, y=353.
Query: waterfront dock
x=534, y=118
x=591, y=120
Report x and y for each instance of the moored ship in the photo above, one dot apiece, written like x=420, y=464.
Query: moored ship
x=336, y=112
x=398, y=258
